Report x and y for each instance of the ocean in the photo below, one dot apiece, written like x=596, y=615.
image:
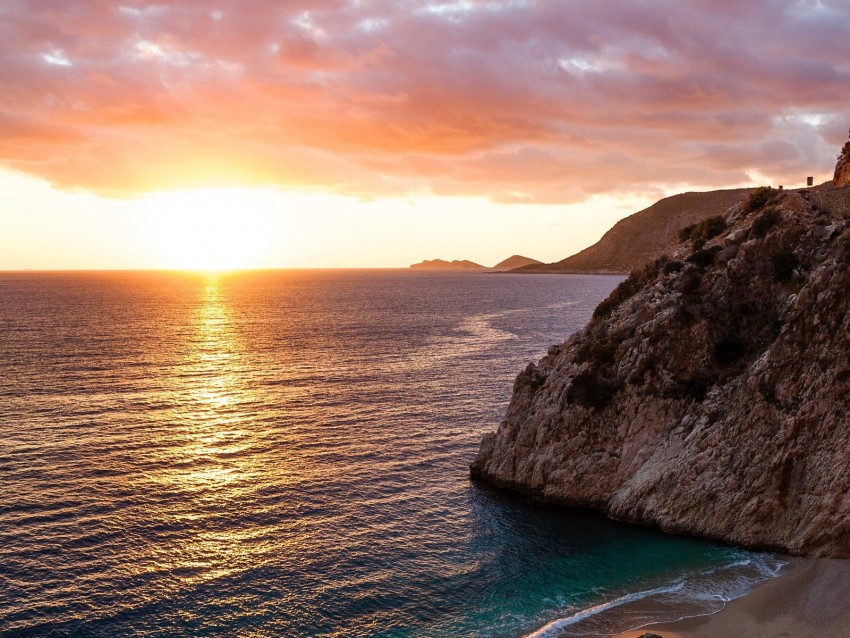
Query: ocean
x=286, y=453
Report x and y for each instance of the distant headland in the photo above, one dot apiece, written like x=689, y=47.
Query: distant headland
x=645, y=235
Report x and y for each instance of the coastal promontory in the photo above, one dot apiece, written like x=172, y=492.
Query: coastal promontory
x=645, y=235
x=709, y=393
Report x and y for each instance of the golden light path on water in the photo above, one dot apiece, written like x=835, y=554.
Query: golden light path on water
x=211, y=457
x=209, y=465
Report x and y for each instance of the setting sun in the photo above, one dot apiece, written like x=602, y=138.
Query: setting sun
x=213, y=229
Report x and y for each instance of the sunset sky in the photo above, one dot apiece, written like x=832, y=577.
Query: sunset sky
x=366, y=133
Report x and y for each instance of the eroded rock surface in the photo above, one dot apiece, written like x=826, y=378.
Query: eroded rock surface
x=842, y=168
x=710, y=394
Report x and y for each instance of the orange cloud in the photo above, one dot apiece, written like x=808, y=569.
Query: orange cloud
x=518, y=101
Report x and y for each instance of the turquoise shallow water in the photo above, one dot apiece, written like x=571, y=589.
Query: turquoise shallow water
x=285, y=454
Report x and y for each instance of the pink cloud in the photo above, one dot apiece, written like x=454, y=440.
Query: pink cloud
x=518, y=101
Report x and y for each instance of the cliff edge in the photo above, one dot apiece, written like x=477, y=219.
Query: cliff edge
x=709, y=393
x=841, y=178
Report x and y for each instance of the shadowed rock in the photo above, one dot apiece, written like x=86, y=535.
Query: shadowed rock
x=842, y=168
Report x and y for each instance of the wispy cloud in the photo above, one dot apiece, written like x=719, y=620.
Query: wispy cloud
x=514, y=100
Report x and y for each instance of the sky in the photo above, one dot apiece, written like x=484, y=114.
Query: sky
x=356, y=133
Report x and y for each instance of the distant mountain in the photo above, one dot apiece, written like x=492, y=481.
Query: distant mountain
x=646, y=235
x=442, y=264
x=515, y=261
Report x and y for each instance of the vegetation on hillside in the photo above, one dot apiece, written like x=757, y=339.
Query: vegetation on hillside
x=757, y=199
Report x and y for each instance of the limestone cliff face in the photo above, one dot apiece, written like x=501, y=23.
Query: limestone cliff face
x=842, y=168
x=710, y=394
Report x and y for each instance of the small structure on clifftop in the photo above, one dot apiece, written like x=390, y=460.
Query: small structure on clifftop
x=842, y=167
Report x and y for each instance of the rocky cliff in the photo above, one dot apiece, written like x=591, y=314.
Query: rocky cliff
x=646, y=235
x=709, y=393
x=842, y=168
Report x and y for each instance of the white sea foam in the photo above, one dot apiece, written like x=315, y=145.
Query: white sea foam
x=555, y=627
x=696, y=594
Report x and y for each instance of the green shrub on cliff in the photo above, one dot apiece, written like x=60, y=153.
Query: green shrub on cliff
x=844, y=239
x=757, y=199
x=699, y=234
x=693, y=388
x=598, y=352
x=784, y=264
x=704, y=258
x=764, y=222
x=636, y=280
x=729, y=350
x=672, y=266
x=690, y=280
x=590, y=391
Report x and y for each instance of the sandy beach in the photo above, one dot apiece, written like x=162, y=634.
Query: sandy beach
x=809, y=599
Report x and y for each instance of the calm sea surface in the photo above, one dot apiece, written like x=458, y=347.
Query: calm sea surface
x=285, y=454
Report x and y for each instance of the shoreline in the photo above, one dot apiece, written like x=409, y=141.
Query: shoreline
x=809, y=598
x=693, y=593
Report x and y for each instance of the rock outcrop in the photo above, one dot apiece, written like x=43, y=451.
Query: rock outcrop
x=842, y=168
x=646, y=235
x=709, y=395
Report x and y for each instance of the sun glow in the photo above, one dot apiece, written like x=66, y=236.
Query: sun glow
x=214, y=229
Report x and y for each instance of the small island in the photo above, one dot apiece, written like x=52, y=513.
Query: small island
x=514, y=261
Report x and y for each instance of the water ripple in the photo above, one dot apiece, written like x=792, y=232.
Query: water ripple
x=274, y=454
